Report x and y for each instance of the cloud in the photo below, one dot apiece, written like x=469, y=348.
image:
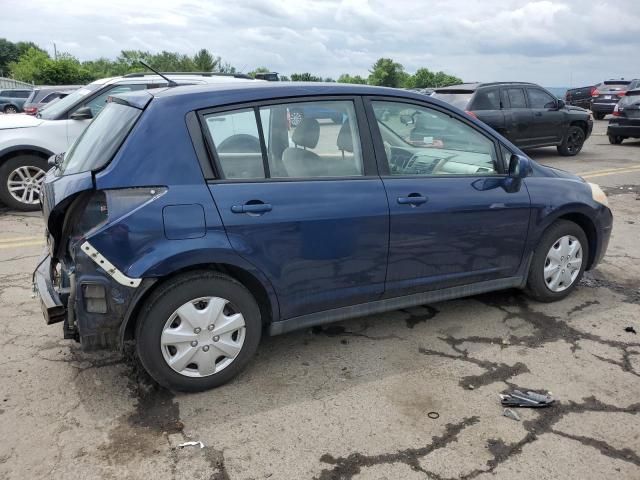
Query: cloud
x=552, y=42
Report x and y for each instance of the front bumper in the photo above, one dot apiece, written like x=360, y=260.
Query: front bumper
x=53, y=309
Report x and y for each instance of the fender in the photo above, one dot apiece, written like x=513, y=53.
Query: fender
x=17, y=148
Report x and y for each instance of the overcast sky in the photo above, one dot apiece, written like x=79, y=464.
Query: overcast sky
x=551, y=42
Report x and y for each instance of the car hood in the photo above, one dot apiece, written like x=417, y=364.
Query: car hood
x=545, y=171
x=18, y=120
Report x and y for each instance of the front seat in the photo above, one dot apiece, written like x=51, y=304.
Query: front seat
x=300, y=162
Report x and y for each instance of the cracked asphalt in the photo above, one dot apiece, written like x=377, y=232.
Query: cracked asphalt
x=350, y=400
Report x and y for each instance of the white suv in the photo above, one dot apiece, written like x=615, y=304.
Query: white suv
x=26, y=142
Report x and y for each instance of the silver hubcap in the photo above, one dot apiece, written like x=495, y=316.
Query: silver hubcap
x=203, y=337
x=24, y=184
x=563, y=262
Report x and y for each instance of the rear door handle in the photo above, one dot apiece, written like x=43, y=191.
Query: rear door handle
x=413, y=199
x=252, y=208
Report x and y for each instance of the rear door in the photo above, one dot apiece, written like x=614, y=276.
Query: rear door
x=303, y=203
x=518, y=117
x=452, y=223
x=547, y=126
x=487, y=106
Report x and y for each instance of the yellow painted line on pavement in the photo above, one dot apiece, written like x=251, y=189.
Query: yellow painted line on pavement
x=21, y=244
x=21, y=239
x=610, y=172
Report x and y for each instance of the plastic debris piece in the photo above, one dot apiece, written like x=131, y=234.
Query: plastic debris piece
x=191, y=444
x=433, y=415
x=516, y=398
x=507, y=412
x=470, y=387
x=630, y=330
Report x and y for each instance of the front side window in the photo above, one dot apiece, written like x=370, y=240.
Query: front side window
x=516, y=98
x=539, y=99
x=421, y=141
x=301, y=140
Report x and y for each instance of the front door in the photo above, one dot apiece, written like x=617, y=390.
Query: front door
x=547, y=119
x=451, y=221
x=303, y=203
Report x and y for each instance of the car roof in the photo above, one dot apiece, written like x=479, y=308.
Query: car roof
x=475, y=85
x=200, y=77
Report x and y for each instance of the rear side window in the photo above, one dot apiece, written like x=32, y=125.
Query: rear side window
x=516, y=98
x=100, y=141
x=486, y=99
x=539, y=99
x=301, y=140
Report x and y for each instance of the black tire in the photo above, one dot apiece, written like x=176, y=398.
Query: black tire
x=572, y=142
x=296, y=117
x=166, y=300
x=7, y=168
x=598, y=115
x=615, y=139
x=536, y=286
x=10, y=109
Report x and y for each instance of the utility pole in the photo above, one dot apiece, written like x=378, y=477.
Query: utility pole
x=55, y=52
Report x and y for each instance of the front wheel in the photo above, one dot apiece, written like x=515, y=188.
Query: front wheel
x=615, y=139
x=198, y=331
x=558, y=262
x=572, y=142
x=10, y=109
x=21, y=178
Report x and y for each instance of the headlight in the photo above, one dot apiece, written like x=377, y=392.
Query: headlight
x=598, y=195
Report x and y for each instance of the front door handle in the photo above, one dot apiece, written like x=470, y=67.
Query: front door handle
x=252, y=208
x=412, y=199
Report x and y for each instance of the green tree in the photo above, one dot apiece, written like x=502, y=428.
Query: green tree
x=37, y=67
x=347, y=78
x=204, y=61
x=11, y=52
x=284, y=78
x=305, y=77
x=425, y=78
x=387, y=73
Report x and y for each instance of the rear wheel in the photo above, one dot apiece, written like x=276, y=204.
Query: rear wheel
x=615, y=139
x=572, y=142
x=20, y=182
x=558, y=263
x=598, y=115
x=198, y=331
x=10, y=109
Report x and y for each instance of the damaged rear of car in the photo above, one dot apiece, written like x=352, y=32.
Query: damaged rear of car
x=71, y=274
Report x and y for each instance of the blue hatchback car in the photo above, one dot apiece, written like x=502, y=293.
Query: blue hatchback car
x=191, y=219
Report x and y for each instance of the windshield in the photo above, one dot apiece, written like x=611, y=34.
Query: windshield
x=457, y=99
x=613, y=86
x=101, y=139
x=633, y=99
x=51, y=111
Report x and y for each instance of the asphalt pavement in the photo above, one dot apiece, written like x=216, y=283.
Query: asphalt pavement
x=410, y=394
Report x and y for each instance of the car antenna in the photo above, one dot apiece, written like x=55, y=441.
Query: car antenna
x=170, y=83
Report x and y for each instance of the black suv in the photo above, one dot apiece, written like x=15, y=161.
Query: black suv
x=525, y=113
x=607, y=94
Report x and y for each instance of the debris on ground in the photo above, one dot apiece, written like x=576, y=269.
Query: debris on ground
x=470, y=387
x=507, y=412
x=433, y=415
x=528, y=399
x=191, y=444
x=630, y=330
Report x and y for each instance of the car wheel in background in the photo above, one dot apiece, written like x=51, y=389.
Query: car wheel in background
x=572, y=142
x=198, y=331
x=598, y=116
x=558, y=262
x=296, y=117
x=10, y=109
x=615, y=139
x=20, y=182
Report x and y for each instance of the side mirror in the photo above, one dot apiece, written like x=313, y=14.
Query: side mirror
x=561, y=104
x=519, y=167
x=83, y=113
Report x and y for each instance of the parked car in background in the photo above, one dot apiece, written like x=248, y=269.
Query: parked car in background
x=580, y=97
x=163, y=230
x=606, y=95
x=41, y=96
x=268, y=76
x=26, y=142
x=525, y=113
x=424, y=91
x=12, y=99
x=625, y=122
